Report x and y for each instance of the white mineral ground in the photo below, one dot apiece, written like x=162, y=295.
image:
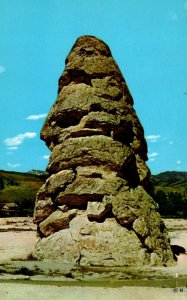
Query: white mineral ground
x=17, y=241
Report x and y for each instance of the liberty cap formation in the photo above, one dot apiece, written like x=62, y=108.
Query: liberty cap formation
x=95, y=208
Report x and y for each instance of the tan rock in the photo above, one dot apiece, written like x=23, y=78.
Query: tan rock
x=84, y=189
x=143, y=170
x=129, y=205
x=97, y=210
x=107, y=87
x=43, y=205
x=104, y=244
x=58, y=220
x=79, y=131
x=100, y=120
x=57, y=182
x=85, y=151
x=43, y=208
x=140, y=226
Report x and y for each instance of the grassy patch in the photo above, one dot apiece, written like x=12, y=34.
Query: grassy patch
x=20, y=189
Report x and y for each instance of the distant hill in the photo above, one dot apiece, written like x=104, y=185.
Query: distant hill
x=170, y=181
x=20, y=189
x=170, y=192
x=18, y=192
x=38, y=173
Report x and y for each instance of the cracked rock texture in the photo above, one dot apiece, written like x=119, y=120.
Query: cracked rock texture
x=95, y=208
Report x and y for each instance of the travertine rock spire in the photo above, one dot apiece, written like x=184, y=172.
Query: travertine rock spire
x=95, y=207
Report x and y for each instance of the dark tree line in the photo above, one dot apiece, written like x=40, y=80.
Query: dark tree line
x=172, y=204
x=1, y=184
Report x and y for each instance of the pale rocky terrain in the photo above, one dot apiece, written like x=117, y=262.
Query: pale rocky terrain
x=18, y=238
x=37, y=292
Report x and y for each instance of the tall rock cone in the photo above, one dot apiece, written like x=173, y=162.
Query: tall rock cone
x=95, y=208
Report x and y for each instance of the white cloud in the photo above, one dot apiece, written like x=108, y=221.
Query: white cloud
x=171, y=142
x=152, y=138
x=36, y=117
x=154, y=154
x=151, y=159
x=18, y=139
x=13, y=148
x=46, y=156
x=178, y=161
x=13, y=165
x=2, y=69
x=173, y=16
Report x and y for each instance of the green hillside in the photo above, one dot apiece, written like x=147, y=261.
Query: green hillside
x=170, y=192
x=18, y=192
x=170, y=181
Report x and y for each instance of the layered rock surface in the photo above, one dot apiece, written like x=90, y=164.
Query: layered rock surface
x=95, y=208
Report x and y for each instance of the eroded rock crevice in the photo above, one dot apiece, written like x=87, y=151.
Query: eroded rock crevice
x=95, y=208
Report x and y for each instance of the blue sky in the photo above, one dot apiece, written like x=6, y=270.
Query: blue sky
x=148, y=39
